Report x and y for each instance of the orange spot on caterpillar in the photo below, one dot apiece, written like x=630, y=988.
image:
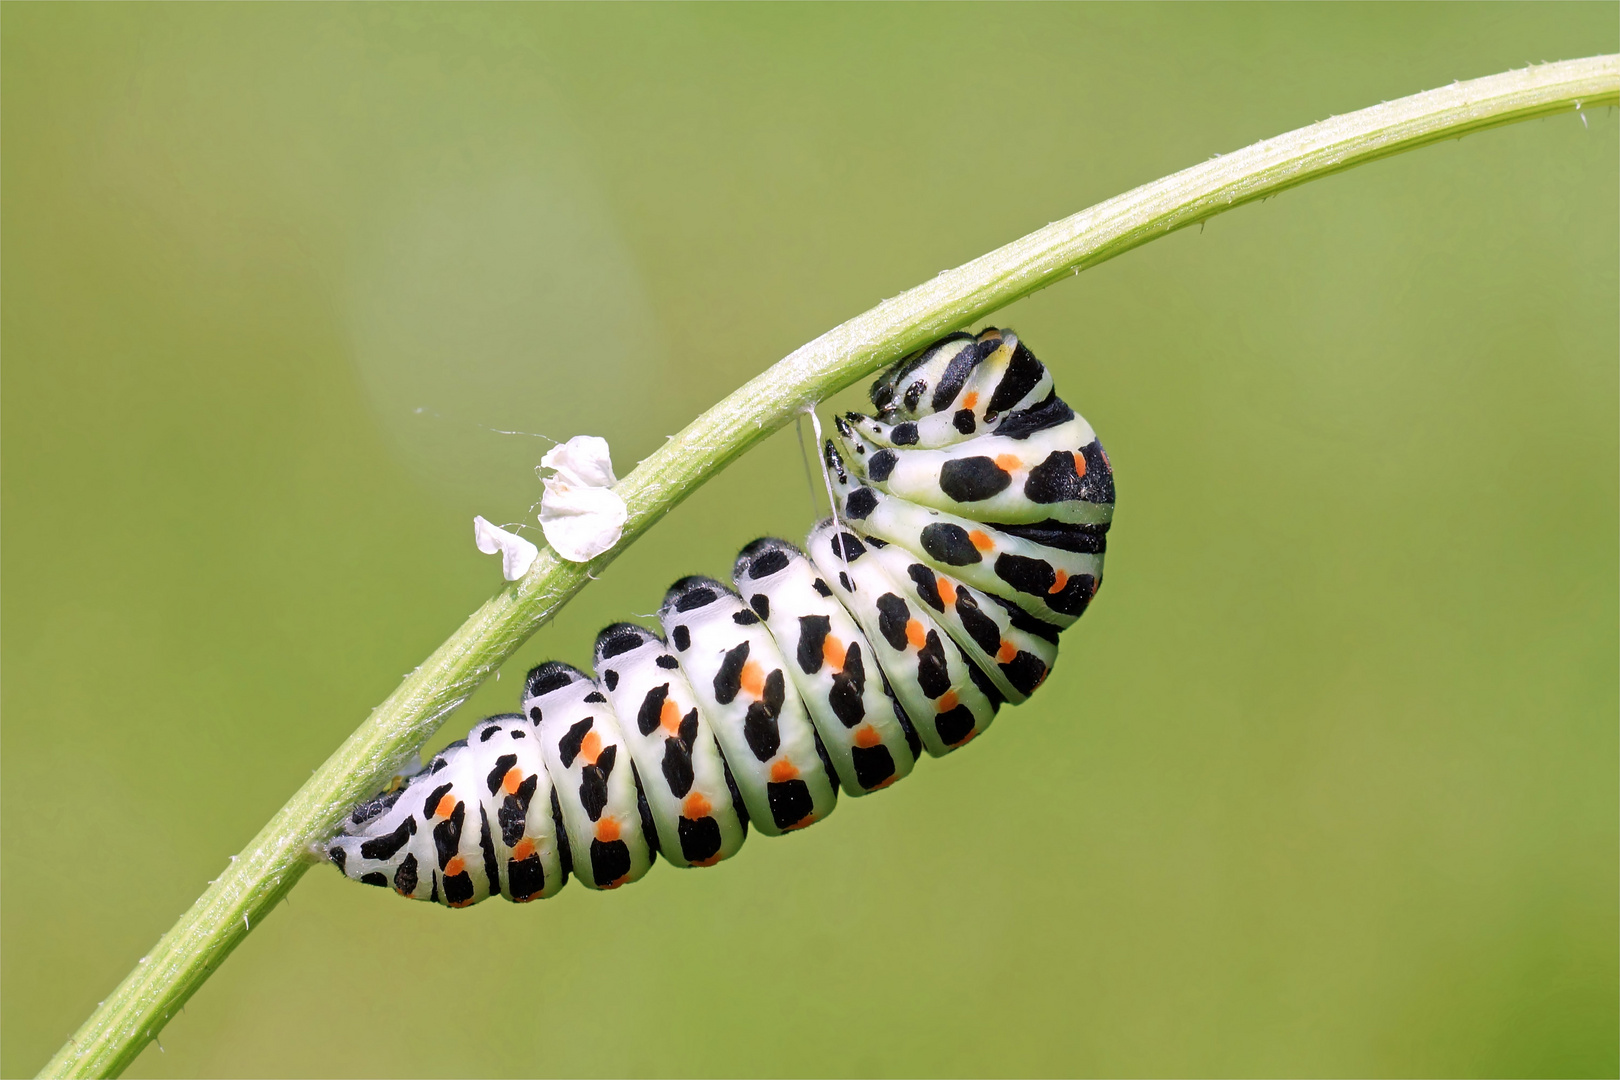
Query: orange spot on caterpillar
x=915, y=635
x=948, y=701
x=607, y=830
x=1079, y=463
x=783, y=771
x=981, y=540
x=970, y=400
x=803, y=823
x=616, y=882
x=669, y=718
x=590, y=748
x=710, y=861
x=885, y=782
x=1008, y=462
x=1060, y=578
x=454, y=867
x=964, y=740
x=947, y=590
x=834, y=653
x=512, y=780
x=524, y=849
x=866, y=737
x=446, y=807
x=1006, y=653
x=695, y=807
x=1096, y=587
x=753, y=680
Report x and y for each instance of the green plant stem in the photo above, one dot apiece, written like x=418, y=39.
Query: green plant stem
x=277, y=857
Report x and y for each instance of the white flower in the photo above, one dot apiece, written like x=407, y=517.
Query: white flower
x=583, y=460
x=580, y=513
x=517, y=554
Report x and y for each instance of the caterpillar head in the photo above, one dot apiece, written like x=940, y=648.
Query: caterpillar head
x=958, y=387
x=901, y=391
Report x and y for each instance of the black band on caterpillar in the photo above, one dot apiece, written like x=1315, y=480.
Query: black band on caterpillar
x=971, y=525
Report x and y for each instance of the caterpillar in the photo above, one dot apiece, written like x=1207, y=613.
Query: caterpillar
x=971, y=518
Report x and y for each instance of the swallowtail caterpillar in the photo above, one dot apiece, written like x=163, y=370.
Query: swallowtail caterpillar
x=972, y=513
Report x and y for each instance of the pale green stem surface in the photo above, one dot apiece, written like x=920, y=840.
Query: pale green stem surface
x=260, y=876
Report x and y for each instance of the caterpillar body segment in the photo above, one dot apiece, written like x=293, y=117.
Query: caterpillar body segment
x=948, y=700
x=1052, y=583
x=970, y=521
x=605, y=816
x=1023, y=480
x=695, y=806
x=450, y=838
x=1013, y=658
x=954, y=390
x=740, y=677
x=868, y=738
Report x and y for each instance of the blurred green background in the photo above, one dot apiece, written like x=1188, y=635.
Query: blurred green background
x=1326, y=783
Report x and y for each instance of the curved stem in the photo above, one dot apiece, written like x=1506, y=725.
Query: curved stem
x=136, y=1011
